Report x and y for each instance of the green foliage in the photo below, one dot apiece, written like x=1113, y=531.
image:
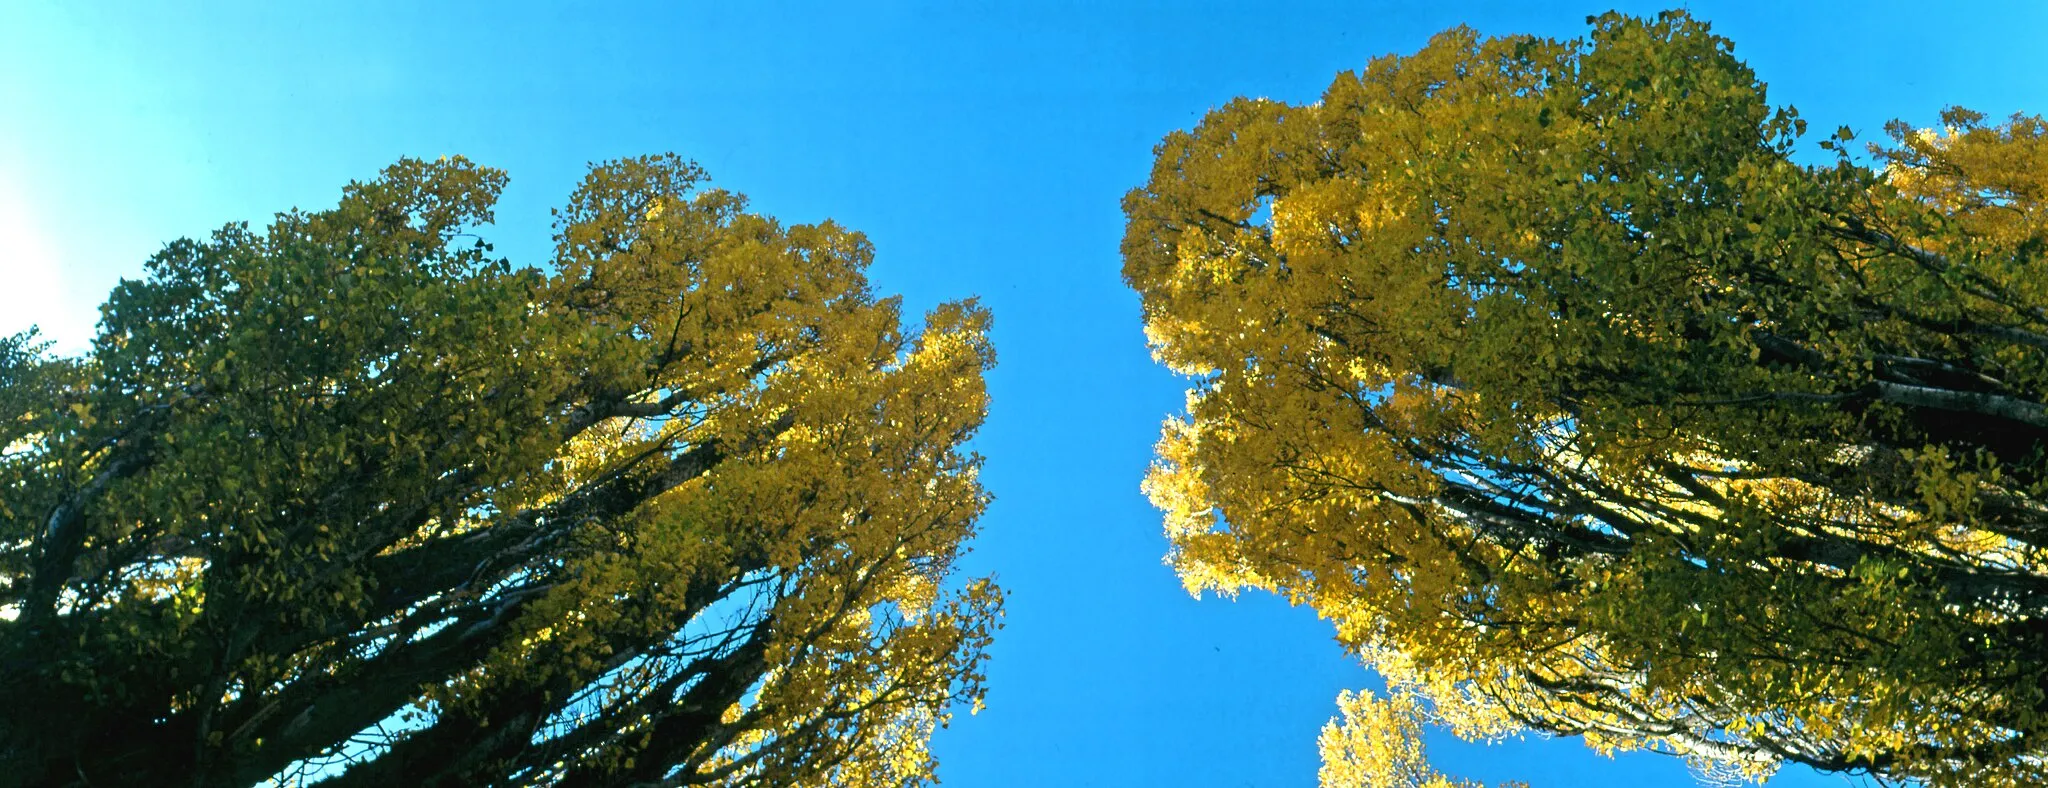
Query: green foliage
x=1539, y=369
x=352, y=498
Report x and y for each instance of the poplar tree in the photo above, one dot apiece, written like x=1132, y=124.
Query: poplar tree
x=351, y=499
x=1544, y=372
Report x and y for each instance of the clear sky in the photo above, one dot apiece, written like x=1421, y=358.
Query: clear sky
x=983, y=147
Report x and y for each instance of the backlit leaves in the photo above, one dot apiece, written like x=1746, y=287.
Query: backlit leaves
x=351, y=498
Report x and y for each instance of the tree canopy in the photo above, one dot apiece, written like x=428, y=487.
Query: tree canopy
x=1541, y=370
x=352, y=499
x=1376, y=742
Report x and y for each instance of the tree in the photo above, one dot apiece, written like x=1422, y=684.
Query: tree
x=1540, y=369
x=352, y=499
x=1377, y=743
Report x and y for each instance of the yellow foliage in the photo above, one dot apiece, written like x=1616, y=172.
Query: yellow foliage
x=1539, y=370
x=352, y=496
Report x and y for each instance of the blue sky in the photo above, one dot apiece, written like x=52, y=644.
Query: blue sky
x=983, y=147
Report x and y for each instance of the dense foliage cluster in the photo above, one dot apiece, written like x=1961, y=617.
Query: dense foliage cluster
x=351, y=499
x=1541, y=370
